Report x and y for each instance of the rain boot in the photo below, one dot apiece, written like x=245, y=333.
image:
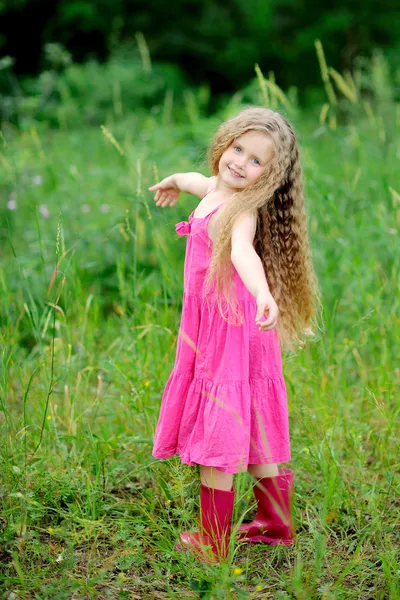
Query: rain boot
x=273, y=523
x=211, y=542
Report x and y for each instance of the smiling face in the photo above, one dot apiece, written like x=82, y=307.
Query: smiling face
x=244, y=161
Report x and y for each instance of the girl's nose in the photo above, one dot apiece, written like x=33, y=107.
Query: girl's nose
x=240, y=161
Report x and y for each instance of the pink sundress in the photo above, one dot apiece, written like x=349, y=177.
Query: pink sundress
x=225, y=402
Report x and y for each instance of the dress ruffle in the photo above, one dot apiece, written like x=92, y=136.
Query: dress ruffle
x=223, y=425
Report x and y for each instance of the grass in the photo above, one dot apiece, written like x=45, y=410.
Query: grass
x=91, y=286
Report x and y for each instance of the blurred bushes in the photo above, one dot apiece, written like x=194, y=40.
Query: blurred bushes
x=129, y=88
x=211, y=41
x=68, y=94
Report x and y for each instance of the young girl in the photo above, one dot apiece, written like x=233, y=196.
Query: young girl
x=249, y=286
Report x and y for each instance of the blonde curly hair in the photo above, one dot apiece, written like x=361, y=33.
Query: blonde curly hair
x=281, y=238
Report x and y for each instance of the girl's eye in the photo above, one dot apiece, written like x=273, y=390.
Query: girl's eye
x=256, y=161
x=236, y=149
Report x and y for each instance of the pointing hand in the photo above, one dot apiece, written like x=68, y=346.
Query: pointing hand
x=167, y=192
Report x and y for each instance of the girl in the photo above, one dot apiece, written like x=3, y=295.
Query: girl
x=247, y=259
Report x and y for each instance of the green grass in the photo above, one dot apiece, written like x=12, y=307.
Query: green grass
x=90, y=307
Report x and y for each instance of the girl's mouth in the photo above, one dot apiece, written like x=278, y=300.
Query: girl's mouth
x=235, y=173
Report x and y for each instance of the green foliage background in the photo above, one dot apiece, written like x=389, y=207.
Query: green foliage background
x=212, y=41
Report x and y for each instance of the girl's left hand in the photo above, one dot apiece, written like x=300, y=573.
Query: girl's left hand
x=267, y=306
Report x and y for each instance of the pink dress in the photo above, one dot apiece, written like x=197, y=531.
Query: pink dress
x=225, y=403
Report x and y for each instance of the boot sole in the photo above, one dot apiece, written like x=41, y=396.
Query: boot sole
x=241, y=536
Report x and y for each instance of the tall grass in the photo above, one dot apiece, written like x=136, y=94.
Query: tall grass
x=91, y=288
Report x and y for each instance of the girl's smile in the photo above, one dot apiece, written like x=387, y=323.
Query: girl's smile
x=234, y=173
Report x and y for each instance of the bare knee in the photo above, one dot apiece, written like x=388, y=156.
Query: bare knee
x=260, y=471
x=214, y=478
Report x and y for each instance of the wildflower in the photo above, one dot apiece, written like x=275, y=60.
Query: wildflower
x=12, y=204
x=237, y=571
x=306, y=450
x=44, y=211
x=104, y=208
x=37, y=180
x=259, y=588
x=85, y=208
x=50, y=530
x=146, y=382
x=49, y=417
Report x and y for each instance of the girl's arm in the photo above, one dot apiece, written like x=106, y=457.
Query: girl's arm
x=250, y=268
x=193, y=183
x=168, y=190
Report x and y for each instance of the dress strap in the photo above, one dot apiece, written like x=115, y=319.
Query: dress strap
x=213, y=211
x=213, y=190
x=191, y=216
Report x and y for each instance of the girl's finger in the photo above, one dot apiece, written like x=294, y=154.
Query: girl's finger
x=165, y=200
x=260, y=312
x=259, y=322
x=268, y=325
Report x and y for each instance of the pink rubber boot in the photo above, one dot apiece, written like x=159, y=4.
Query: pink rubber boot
x=273, y=523
x=211, y=542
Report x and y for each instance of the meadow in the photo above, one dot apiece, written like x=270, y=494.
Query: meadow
x=91, y=288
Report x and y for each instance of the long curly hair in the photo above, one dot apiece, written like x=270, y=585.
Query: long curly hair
x=281, y=238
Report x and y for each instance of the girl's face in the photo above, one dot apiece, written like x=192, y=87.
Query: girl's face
x=246, y=158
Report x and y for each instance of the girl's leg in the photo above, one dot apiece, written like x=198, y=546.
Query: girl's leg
x=214, y=478
x=260, y=471
x=273, y=490
x=216, y=505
